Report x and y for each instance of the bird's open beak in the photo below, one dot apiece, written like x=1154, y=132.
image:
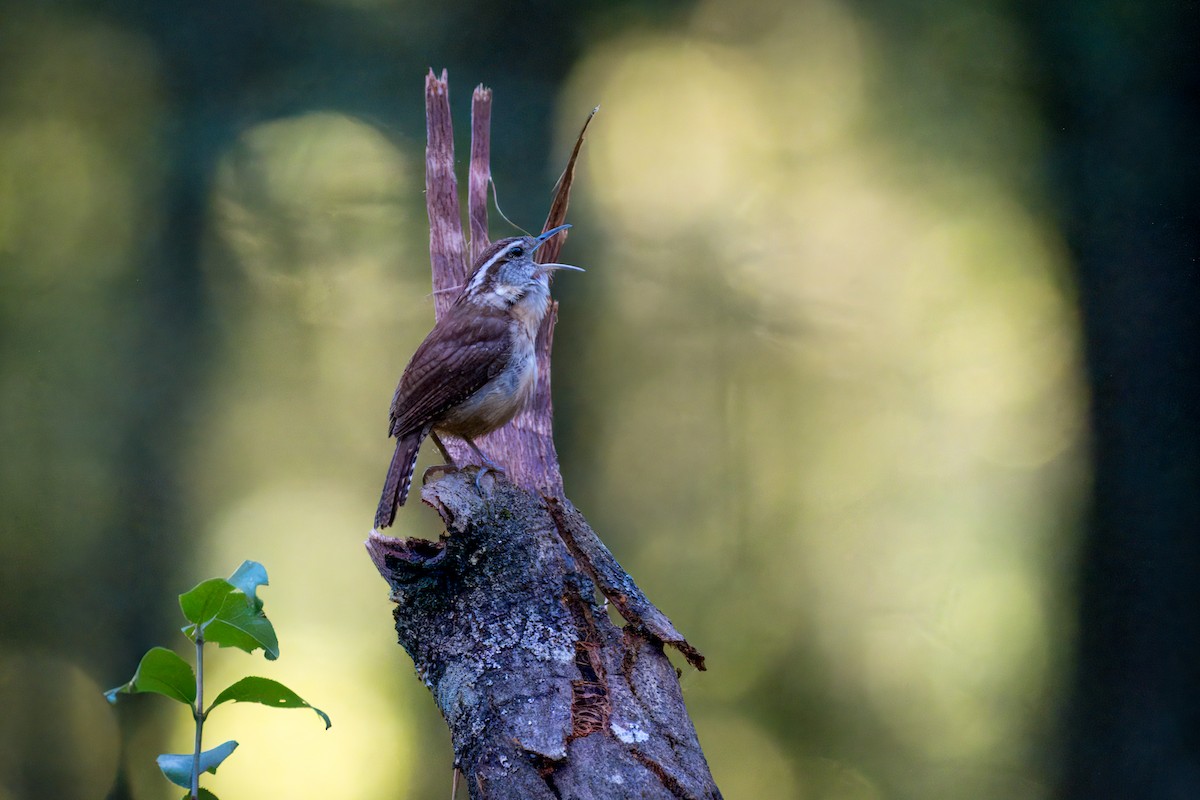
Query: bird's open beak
x=548, y=235
x=546, y=269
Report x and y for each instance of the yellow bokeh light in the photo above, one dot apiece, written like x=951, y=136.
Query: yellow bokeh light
x=655, y=95
x=859, y=377
x=314, y=209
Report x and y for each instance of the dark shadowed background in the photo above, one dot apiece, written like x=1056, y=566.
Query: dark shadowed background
x=882, y=379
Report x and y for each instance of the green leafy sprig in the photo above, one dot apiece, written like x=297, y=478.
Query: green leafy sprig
x=228, y=613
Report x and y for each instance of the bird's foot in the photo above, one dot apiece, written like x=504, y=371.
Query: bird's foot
x=484, y=469
x=486, y=465
x=481, y=470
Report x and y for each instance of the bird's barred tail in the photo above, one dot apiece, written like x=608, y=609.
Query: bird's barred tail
x=399, y=477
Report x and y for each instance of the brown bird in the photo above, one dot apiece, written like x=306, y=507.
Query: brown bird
x=477, y=367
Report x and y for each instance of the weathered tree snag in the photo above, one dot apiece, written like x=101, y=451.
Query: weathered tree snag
x=545, y=697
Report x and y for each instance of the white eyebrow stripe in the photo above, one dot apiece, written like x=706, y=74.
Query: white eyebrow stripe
x=481, y=273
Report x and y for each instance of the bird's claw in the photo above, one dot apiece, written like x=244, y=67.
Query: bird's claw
x=446, y=469
x=483, y=470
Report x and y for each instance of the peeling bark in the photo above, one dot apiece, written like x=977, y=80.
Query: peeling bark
x=544, y=695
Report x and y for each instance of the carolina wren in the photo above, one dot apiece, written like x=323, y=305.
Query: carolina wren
x=477, y=368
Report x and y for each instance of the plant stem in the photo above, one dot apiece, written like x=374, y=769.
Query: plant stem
x=199, y=714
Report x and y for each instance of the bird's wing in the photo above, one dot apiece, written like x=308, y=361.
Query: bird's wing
x=474, y=347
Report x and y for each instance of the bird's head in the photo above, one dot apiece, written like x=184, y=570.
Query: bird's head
x=506, y=271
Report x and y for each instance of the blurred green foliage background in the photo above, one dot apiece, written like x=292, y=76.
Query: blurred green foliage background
x=821, y=389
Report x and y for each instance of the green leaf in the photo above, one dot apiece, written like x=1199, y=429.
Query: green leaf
x=239, y=625
x=269, y=693
x=248, y=577
x=205, y=794
x=178, y=767
x=163, y=672
x=203, y=602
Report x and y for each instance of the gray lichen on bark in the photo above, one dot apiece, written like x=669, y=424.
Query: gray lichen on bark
x=543, y=694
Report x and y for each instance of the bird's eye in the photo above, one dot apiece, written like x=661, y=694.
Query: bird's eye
x=517, y=252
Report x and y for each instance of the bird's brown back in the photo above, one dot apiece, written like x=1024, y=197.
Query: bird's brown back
x=469, y=346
